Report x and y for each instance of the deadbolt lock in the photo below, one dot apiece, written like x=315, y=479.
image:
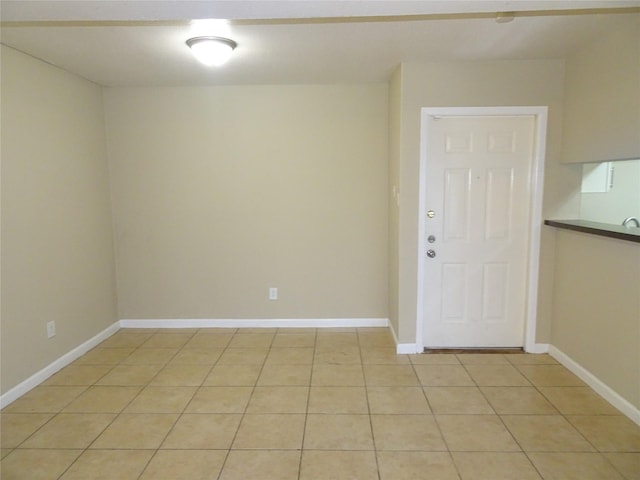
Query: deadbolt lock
x=431, y=214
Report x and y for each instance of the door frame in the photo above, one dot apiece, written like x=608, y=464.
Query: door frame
x=535, y=216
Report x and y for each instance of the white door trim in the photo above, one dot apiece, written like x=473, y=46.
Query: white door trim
x=537, y=181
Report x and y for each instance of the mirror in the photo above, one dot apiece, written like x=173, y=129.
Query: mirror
x=610, y=191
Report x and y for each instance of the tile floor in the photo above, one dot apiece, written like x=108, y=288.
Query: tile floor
x=310, y=404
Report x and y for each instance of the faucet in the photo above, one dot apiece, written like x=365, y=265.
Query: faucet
x=628, y=220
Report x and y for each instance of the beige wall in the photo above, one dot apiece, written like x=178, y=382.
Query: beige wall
x=505, y=83
x=596, y=282
x=602, y=97
x=395, y=136
x=597, y=308
x=57, y=248
x=222, y=192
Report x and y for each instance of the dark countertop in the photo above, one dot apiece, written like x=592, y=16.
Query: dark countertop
x=595, y=228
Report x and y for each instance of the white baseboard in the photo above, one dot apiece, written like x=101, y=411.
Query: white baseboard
x=537, y=348
x=39, y=377
x=254, y=323
x=403, y=348
x=407, y=348
x=393, y=333
x=598, y=385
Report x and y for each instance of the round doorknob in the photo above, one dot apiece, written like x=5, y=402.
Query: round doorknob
x=431, y=253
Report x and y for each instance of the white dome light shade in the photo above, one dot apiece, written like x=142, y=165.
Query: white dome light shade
x=212, y=51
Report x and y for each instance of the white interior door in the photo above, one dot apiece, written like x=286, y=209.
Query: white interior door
x=477, y=199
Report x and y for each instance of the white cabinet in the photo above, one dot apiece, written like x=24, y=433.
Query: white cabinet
x=596, y=177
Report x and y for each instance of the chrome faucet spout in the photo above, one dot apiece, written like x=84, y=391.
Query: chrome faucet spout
x=628, y=220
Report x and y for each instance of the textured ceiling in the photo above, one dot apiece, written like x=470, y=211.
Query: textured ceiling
x=143, y=43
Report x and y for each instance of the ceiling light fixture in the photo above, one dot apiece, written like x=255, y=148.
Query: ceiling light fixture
x=212, y=51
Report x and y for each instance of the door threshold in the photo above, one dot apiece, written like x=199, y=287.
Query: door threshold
x=493, y=350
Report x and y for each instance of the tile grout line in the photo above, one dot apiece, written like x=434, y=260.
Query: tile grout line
x=82, y=450
x=179, y=416
x=366, y=392
x=478, y=387
x=306, y=413
x=213, y=365
x=58, y=412
x=435, y=420
x=244, y=413
x=564, y=416
x=559, y=413
x=116, y=415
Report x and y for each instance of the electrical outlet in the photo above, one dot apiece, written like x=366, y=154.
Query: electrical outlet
x=273, y=293
x=51, y=329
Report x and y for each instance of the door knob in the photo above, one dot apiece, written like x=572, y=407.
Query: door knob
x=431, y=253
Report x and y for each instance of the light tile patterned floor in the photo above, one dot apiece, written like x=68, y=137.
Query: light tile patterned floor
x=310, y=404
